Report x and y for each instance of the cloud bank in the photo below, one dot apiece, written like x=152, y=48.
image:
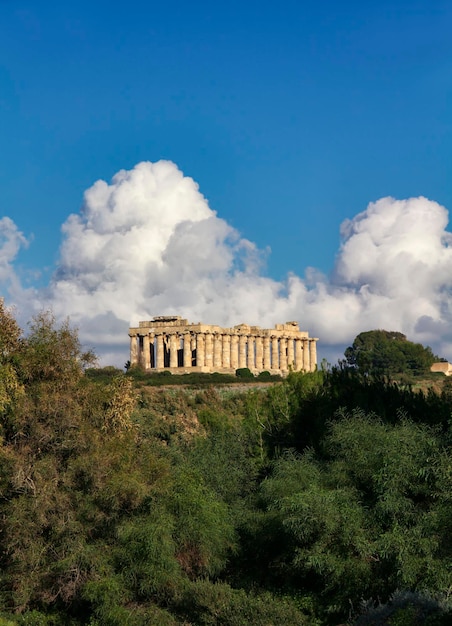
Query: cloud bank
x=149, y=244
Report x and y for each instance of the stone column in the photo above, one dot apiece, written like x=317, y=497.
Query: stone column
x=267, y=360
x=146, y=353
x=133, y=350
x=152, y=349
x=242, y=351
x=209, y=350
x=217, y=351
x=234, y=351
x=259, y=354
x=192, y=350
x=159, y=353
x=140, y=350
x=250, y=359
x=226, y=351
x=174, y=343
x=200, y=350
x=306, y=355
x=298, y=355
x=313, y=354
x=275, y=354
x=283, y=354
x=290, y=354
x=187, y=349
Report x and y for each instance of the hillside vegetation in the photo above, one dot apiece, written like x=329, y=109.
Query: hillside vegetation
x=321, y=499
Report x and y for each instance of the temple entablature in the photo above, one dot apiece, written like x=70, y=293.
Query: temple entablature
x=172, y=343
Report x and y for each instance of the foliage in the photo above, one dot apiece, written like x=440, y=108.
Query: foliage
x=207, y=603
x=244, y=372
x=366, y=518
x=103, y=374
x=405, y=609
x=53, y=353
x=288, y=503
x=388, y=353
x=165, y=378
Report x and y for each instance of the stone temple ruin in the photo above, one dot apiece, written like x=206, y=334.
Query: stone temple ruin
x=173, y=344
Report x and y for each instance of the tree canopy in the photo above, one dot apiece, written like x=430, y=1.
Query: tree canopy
x=384, y=352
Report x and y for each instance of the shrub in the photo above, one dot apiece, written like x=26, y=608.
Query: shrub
x=244, y=372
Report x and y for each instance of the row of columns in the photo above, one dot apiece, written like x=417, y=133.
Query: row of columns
x=223, y=351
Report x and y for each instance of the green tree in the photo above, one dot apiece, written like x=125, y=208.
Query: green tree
x=388, y=353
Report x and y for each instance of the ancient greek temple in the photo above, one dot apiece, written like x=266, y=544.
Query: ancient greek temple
x=172, y=343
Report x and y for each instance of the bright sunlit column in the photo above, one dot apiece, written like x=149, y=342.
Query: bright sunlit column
x=275, y=354
x=283, y=353
x=313, y=354
x=234, y=352
x=200, y=350
x=267, y=360
x=290, y=354
x=146, y=353
x=173, y=346
x=306, y=355
x=242, y=351
x=209, y=350
x=298, y=355
x=259, y=353
x=217, y=350
x=187, y=349
x=250, y=357
x=133, y=350
x=226, y=351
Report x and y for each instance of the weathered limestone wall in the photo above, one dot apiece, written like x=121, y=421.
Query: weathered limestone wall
x=172, y=343
x=442, y=366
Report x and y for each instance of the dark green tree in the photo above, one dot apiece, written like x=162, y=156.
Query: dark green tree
x=388, y=353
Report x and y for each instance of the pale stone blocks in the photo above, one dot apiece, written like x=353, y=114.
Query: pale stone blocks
x=172, y=343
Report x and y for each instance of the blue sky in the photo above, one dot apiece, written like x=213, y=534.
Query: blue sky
x=291, y=117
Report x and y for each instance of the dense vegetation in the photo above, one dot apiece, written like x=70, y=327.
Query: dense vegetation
x=322, y=499
x=389, y=353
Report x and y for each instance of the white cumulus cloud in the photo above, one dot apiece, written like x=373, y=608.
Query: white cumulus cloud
x=11, y=241
x=149, y=244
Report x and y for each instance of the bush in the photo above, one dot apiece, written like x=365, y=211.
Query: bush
x=208, y=604
x=244, y=372
x=405, y=609
x=103, y=374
